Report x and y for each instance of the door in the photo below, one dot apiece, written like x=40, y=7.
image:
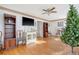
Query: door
x=45, y=29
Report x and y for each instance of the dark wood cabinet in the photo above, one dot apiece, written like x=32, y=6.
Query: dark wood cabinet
x=45, y=29
x=10, y=43
x=9, y=31
x=6, y=44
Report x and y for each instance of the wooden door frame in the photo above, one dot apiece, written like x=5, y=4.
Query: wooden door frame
x=45, y=29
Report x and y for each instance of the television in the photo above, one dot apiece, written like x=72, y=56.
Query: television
x=27, y=21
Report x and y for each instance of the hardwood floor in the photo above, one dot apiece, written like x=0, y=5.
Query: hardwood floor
x=43, y=46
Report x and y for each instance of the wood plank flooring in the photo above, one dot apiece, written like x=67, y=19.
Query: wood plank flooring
x=43, y=46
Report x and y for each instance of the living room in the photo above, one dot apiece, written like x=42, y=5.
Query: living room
x=33, y=28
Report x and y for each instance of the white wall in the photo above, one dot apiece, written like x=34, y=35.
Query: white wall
x=39, y=29
x=2, y=25
x=38, y=26
x=18, y=23
x=54, y=27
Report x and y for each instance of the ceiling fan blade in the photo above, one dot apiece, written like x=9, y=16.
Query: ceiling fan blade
x=53, y=11
x=46, y=13
x=53, y=8
x=44, y=10
x=43, y=13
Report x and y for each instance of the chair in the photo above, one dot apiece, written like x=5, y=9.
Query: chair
x=59, y=31
x=20, y=37
x=0, y=40
x=1, y=46
x=23, y=37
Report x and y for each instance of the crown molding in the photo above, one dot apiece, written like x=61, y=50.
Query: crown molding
x=7, y=9
x=61, y=19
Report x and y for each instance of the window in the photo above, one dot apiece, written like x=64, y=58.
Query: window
x=60, y=24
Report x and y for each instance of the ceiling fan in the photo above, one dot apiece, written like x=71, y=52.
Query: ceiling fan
x=49, y=11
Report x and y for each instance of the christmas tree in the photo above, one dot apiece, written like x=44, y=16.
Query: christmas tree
x=70, y=35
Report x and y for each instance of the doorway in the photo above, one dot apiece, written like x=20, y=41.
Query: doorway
x=45, y=29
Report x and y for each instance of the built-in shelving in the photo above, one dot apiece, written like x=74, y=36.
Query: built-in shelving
x=9, y=31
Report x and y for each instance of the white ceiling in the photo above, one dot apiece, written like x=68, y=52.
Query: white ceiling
x=36, y=10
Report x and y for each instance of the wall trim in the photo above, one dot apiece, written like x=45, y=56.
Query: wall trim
x=57, y=20
x=7, y=9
